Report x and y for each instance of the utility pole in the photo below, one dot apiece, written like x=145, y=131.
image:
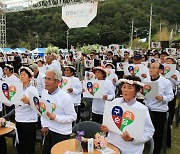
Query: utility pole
x=132, y=31
x=160, y=31
x=176, y=29
x=67, y=38
x=150, y=28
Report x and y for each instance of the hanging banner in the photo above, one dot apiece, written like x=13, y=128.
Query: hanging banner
x=79, y=15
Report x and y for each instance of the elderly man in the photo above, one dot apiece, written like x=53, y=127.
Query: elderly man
x=59, y=125
x=38, y=80
x=158, y=106
x=52, y=63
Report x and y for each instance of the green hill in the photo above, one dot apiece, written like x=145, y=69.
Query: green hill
x=111, y=25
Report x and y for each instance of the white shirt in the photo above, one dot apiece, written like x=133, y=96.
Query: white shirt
x=1, y=73
x=54, y=65
x=135, y=146
x=77, y=90
x=42, y=69
x=165, y=90
x=65, y=113
x=39, y=82
x=174, y=82
x=24, y=113
x=11, y=78
x=98, y=103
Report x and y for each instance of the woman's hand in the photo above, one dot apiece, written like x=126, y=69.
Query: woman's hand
x=114, y=80
x=105, y=97
x=70, y=90
x=25, y=100
x=126, y=136
x=104, y=128
x=174, y=77
x=2, y=121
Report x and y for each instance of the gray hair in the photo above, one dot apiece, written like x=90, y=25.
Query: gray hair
x=33, y=66
x=57, y=73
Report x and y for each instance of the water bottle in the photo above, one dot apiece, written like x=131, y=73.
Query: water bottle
x=90, y=146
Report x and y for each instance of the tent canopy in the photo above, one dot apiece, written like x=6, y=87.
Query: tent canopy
x=20, y=50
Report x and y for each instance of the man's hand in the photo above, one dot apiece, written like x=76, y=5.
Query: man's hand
x=159, y=98
x=45, y=131
x=51, y=116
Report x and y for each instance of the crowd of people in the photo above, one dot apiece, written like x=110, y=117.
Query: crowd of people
x=43, y=76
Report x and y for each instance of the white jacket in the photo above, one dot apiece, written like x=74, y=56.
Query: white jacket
x=165, y=90
x=65, y=113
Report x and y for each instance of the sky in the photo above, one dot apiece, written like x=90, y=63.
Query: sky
x=9, y=3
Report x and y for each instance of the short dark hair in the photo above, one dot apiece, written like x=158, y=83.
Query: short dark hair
x=134, y=78
x=110, y=52
x=27, y=72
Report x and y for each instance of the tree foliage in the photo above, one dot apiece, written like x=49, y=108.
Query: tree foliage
x=111, y=25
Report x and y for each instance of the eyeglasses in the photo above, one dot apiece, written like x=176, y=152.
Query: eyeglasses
x=49, y=79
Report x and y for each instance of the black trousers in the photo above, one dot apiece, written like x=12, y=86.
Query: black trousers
x=97, y=118
x=158, y=120
x=78, y=111
x=51, y=139
x=3, y=146
x=172, y=105
x=27, y=137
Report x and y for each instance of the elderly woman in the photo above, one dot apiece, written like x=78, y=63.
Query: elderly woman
x=75, y=88
x=128, y=145
x=109, y=94
x=175, y=81
x=25, y=117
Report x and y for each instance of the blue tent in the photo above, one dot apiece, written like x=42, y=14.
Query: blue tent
x=7, y=50
x=20, y=50
x=39, y=51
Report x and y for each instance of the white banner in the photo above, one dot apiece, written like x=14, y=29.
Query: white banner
x=134, y=69
x=149, y=90
x=11, y=92
x=66, y=83
x=93, y=88
x=79, y=15
x=120, y=118
x=169, y=70
x=39, y=105
x=89, y=75
x=155, y=45
x=171, y=51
